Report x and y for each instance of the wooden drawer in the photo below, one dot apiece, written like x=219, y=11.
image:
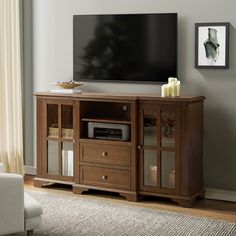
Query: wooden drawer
x=105, y=154
x=105, y=177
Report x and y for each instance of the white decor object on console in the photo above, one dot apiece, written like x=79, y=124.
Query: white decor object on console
x=68, y=91
x=171, y=89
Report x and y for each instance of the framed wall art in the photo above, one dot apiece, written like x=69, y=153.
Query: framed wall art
x=212, y=45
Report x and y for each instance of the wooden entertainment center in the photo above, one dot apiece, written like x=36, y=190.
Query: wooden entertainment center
x=155, y=145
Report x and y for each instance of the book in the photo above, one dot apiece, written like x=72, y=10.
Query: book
x=68, y=91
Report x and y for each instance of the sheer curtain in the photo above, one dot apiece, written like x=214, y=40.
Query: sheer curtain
x=11, y=130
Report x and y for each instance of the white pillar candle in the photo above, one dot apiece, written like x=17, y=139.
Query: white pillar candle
x=170, y=88
x=171, y=80
x=177, y=88
x=173, y=89
x=164, y=90
x=174, y=93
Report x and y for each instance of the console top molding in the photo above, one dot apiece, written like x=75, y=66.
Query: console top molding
x=126, y=96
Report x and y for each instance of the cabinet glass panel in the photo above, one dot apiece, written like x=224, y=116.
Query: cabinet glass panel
x=150, y=167
x=150, y=129
x=67, y=159
x=52, y=121
x=67, y=121
x=53, y=163
x=168, y=122
x=168, y=169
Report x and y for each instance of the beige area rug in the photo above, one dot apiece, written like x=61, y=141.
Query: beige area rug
x=76, y=215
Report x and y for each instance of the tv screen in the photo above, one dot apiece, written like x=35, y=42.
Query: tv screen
x=125, y=48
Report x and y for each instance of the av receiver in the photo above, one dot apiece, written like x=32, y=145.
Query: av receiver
x=108, y=131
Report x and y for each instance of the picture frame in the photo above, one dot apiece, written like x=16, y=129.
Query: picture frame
x=212, y=45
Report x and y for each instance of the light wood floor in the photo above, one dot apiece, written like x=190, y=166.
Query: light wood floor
x=218, y=210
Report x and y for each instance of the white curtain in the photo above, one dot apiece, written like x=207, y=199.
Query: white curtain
x=11, y=130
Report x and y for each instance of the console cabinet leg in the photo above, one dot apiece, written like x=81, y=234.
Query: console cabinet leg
x=130, y=197
x=79, y=190
x=184, y=202
x=41, y=183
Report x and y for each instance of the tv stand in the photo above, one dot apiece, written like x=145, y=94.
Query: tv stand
x=161, y=155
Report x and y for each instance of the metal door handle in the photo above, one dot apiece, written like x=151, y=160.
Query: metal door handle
x=140, y=147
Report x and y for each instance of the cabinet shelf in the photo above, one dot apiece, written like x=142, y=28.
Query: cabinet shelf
x=106, y=120
x=146, y=147
x=60, y=139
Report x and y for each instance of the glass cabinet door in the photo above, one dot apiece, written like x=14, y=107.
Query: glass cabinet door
x=150, y=129
x=60, y=160
x=67, y=121
x=167, y=128
x=158, y=149
x=168, y=169
x=67, y=159
x=150, y=168
x=52, y=121
x=53, y=161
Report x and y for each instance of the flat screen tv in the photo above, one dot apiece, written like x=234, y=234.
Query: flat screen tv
x=125, y=47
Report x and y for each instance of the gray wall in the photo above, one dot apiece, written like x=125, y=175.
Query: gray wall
x=52, y=61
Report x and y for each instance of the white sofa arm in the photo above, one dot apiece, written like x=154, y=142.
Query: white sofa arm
x=11, y=203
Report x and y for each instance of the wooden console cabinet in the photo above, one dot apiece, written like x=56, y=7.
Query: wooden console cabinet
x=162, y=155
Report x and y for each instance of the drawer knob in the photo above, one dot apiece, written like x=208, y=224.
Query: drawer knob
x=104, y=177
x=104, y=154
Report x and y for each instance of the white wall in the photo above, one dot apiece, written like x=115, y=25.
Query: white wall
x=52, y=61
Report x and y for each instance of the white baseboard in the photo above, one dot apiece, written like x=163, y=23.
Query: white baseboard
x=30, y=170
x=219, y=194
